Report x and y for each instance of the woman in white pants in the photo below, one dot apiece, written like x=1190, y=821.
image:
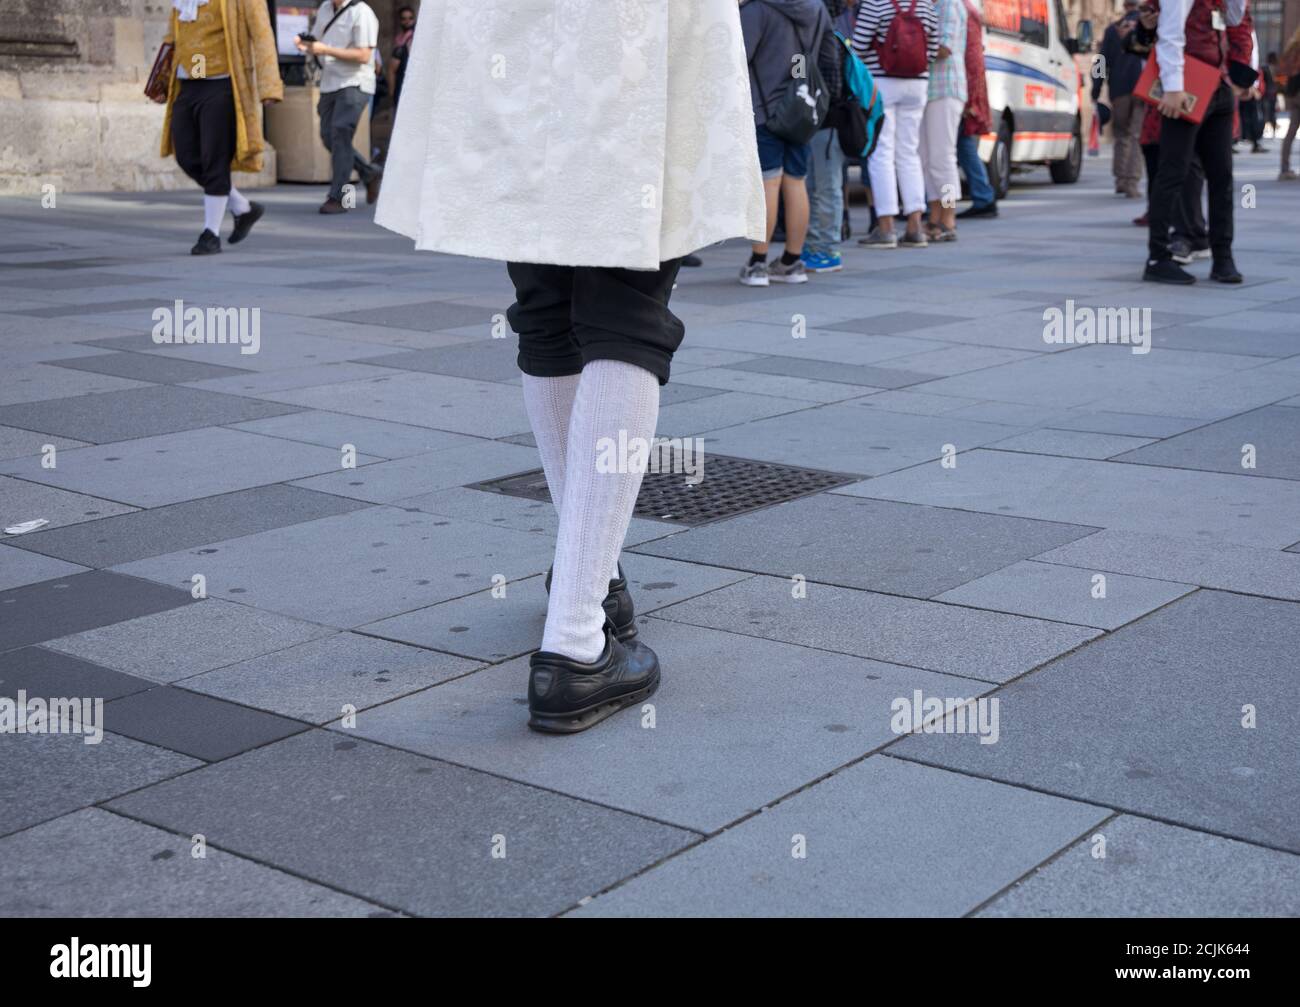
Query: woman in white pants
x=946, y=98
x=902, y=77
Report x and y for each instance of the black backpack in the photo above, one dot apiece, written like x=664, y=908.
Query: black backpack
x=799, y=109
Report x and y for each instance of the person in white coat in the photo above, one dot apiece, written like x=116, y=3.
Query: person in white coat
x=591, y=144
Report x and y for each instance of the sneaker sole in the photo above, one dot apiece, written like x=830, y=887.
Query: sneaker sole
x=798, y=278
x=582, y=720
x=881, y=247
x=1169, y=283
x=824, y=269
x=755, y=283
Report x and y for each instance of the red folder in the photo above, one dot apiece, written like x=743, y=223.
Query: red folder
x=1200, y=80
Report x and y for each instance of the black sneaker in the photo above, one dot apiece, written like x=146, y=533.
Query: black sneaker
x=1167, y=271
x=208, y=244
x=1225, y=271
x=566, y=696
x=244, y=222
x=987, y=210
x=1180, y=250
x=617, y=605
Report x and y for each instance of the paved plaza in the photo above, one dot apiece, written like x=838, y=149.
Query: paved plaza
x=313, y=660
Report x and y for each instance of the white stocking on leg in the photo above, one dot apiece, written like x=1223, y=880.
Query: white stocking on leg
x=549, y=403
x=614, y=398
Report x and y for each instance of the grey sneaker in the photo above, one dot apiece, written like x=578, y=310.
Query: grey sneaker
x=910, y=240
x=755, y=274
x=879, y=239
x=793, y=273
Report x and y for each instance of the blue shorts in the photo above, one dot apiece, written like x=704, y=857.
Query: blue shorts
x=776, y=157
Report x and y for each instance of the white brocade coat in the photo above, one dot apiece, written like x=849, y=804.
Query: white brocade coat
x=575, y=132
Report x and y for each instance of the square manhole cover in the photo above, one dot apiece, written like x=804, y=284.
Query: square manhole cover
x=729, y=486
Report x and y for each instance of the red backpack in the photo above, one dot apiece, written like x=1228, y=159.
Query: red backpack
x=905, y=50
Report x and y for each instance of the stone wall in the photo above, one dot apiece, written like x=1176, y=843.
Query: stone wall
x=72, y=75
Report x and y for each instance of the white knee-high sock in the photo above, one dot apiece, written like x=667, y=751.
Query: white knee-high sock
x=238, y=202
x=549, y=403
x=214, y=209
x=613, y=398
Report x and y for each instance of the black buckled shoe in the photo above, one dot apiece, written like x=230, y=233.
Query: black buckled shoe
x=617, y=605
x=208, y=244
x=244, y=222
x=1225, y=271
x=566, y=696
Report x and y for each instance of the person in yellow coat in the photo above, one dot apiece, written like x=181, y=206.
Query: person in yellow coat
x=225, y=62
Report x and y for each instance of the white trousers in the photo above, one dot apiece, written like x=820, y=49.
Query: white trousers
x=895, y=165
x=939, y=149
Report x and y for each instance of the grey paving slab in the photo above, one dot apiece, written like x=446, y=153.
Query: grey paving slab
x=494, y=628
x=874, y=847
x=1151, y=719
x=1273, y=432
x=22, y=501
x=167, y=469
x=699, y=416
x=426, y=316
x=1156, y=870
x=987, y=646
x=915, y=402
x=320, y=681
x=916, y=551
x=40, y=382
x=1227, y=508
x=45, y=673
x=1066, y=594
x=483, y=359
x=278, y=348
x=438, y=824
x=136, y=412
x=461, y=405
x=735, y=726
x=15, y=443
x=256, y=383
x=1191, y=561
x=55, y=608
x=48, y=775
x=154, y=367
x=1222, y=338
x=845, y=438
x=175, y=644
x=1072, y=443
x=777, y=384
x=826, y=370
x=138, y=534
x=414, y=475
x=1128, y=424
x=752, y=338
x=19, y=568
x=371, y=437
x=356, y=568
x=91, y=308
x=895, y=322
x=95, y=864
x=76, y=281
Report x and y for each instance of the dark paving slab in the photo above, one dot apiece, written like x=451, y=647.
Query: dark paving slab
x=484, y=359
x=875, y=847
x=95, y=864
x=59, y=280
x=427, y=316
x=894, y=322
x=149, y=367
x=47, y=673
x=48, y=775
x=193, y=724
x=1222, y=339
x=127, y=537
x=988, y=646
x=713, y=752
x=55, y=608
x=437, y=824
x=825, y=370
x=1273, y=431
x=95, y=308
x=137, y=412
x=909, y=550
x=1156, y=870
x=1150, y=720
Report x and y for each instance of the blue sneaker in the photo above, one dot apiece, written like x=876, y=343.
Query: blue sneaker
x=820, y=262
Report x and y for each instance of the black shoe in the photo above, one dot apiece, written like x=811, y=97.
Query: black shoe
x=565, y=696
x=244, y=222
x=987, y=210
x=692, y=260
x=1181, y=251
x=1258, y=148
x=1167, y=271
x=208, y=244
x=617, y=605
x=1225, y=271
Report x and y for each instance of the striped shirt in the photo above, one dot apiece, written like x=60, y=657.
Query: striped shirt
x=874, y=19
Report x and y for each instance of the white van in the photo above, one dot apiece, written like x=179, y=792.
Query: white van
x=1035, y=90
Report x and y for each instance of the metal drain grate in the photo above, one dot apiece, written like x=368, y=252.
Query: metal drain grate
x=730, y=486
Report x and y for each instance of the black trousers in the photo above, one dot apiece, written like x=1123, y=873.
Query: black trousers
x=568, y=315
x=340, y=113
x=203, y=133
x=1189, y=217
x=1211, y=141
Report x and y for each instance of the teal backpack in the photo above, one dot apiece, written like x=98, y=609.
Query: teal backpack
x=859, y=131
